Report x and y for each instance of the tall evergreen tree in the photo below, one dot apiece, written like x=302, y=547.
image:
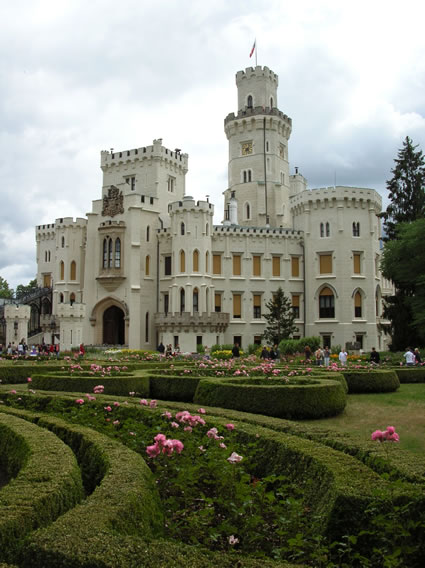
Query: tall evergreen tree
x=406, y=189
x=280, y=318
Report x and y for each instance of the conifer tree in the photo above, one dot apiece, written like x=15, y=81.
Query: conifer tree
x=406, y=189
x=280, y=318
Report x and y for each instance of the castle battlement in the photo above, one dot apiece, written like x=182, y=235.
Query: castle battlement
x=253, y=72
x=257, y=231
x=257, y=111
x=155, y=151
x=338, y=193
x=67, y=222
x=189, y=204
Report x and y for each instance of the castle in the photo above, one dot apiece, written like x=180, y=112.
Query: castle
x=148, y=264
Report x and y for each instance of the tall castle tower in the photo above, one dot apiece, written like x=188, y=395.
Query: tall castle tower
x=258, y=153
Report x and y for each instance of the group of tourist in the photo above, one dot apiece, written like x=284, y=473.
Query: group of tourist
x=412, y=356
x=273, y=353
x=22, y=349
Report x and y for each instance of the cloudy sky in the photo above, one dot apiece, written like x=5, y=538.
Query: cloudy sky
x=80, y=76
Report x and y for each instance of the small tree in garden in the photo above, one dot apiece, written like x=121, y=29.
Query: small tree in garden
x=280, y=318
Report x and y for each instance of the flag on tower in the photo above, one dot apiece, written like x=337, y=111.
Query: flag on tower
x=253, y=49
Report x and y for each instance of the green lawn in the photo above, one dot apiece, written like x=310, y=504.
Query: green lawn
x=365, y=413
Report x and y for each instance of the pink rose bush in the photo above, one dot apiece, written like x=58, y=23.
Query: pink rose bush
x=388, y=435
x=164, y=445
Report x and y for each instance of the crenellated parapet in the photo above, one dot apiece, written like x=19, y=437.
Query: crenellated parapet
x=68, y=311
x=154, y=152
x=255, y=73
x=190, y=204
x=339, y=196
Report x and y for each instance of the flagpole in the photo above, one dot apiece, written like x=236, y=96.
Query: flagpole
x=256, y=51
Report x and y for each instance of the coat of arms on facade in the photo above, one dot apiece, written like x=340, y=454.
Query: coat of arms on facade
x=113, y=202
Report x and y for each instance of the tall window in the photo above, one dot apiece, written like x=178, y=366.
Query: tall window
x=216, y=263
x=105, y=253
x=256, y=265
x=110, y=253
x=276, y=266
x=325, y=264
x=61, y=298
x=296, y=305
x=73, y=270
x=237, y=269
x=195, y=300
x=257, y=306
x=322, y=229
x=357, y=263
x=182, y=300
x=327, y=230
x=63, y=242
x=147, y=327
x=207, y=229
x=249, y=101
x=247, y=211
x=166, y=303
x=62, y=270
x=207, y=262
x=117, y=253
x=357, y=305
x=217, y=302
x=171, y=184
x=182, y=228
x=295, y=266
x=356, y=229
x=326, y=304
x=182, y=261
x=147, y=265
x=167, y=265
x=237, y=306
x=195, y=261
x=148, y=233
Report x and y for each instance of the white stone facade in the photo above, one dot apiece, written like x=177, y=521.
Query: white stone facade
x=148, y=264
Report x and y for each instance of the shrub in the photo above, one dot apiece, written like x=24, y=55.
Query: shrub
x=371, y=381
x=411, y=374
x=298, y=398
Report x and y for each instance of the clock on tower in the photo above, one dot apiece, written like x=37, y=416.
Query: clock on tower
x=246, y=148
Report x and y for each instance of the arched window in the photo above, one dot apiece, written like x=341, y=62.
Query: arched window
x=267, y=145
x=182, y=261
x=117, y=253
x=63, y=242
x=245, y=177
x=326, y=303
x=110, y=253
x=49, y=257
x=207, y=300
x=195, y=300
x=147, y=327
x=105, y=253
x=357, y=305
x=45, y=256
x=249, y=101
x=247, y=211
x=182, y=229
x=73, y=270
x=62, y=270
x=195, y=261
x=61, y=298
x=147, y=265
x=148, y=230
x=328, y=230
x=72, y=299
x=207, y=229
x=249, y=175
x=182, y=300
x=207, y=262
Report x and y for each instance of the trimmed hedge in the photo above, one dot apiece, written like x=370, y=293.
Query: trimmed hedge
x=298, y=399
x=371, y=381
x=178, y=388
x=15, y=374
x=45, y=487
x=117, y=385
x=410, y=374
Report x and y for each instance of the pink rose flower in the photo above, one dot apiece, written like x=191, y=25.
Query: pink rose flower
x=234, y=458
x=230, y=426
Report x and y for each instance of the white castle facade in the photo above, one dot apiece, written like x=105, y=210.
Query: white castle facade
x=148, y=264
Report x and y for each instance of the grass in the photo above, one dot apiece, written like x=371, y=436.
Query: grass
x=364, y=413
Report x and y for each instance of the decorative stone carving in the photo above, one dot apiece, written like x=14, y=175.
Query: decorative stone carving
x=113, y=202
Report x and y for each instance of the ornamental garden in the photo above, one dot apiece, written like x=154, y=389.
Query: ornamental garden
x=127, y=459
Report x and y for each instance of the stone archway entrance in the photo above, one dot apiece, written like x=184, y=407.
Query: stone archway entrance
x=113, y=326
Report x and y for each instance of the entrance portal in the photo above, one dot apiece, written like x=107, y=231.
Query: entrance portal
x=113, y=326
